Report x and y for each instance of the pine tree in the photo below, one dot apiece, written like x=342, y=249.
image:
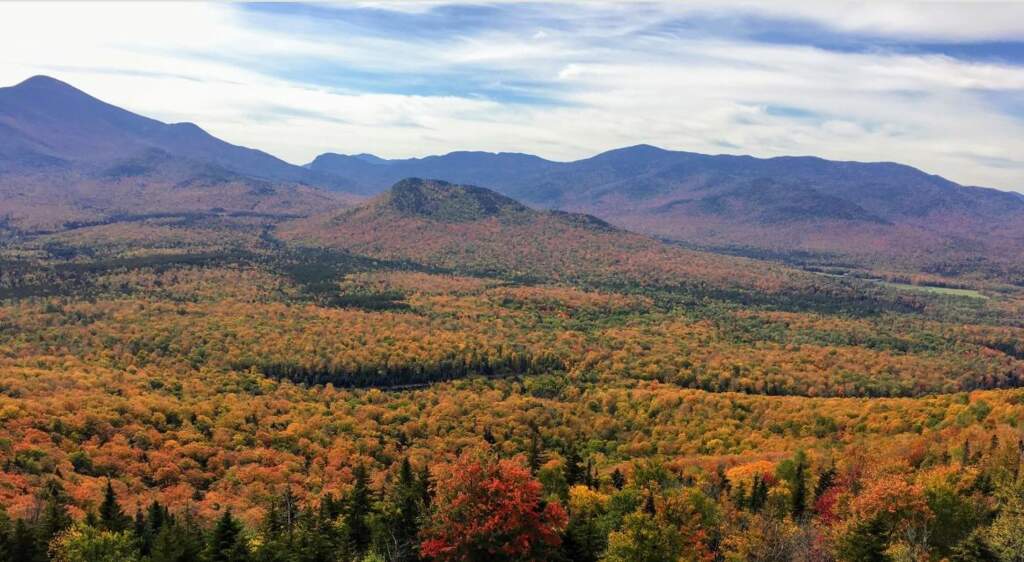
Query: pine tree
x=758, y=494
x=357, y=512
x=799, y=486
x=55, y=513
x=722, y=484
x=618, y=479
x=424, y=488
x=25, y=544
x=649, y=506
x=573, y=467
x=403, y=520
x=111, y=516
x=226, y=541
x=590, y=478
x=139, y=524
x=741, y=496
x=148, y=526
x=825, y=481
x=177, y=542
x=314, y=538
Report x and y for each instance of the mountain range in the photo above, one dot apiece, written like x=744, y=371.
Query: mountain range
x=868, y=212
x=67, y=158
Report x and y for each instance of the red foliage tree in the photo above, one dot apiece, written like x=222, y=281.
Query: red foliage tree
x=487, y=509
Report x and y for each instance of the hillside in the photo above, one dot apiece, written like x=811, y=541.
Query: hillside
x=870, y=213
x=479, y=231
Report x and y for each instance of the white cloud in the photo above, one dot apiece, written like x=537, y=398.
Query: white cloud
x=611, y=83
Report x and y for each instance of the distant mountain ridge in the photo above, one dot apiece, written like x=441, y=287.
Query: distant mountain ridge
x=871, y=211
x=48, y=121
x=68, y=158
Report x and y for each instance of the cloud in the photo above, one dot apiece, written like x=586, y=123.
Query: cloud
x=858, y=81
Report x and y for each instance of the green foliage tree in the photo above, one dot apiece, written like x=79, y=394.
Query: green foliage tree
x=643, y=538
x=954, y=517
x=85, y=543
x=974, y=548
x=867, y=542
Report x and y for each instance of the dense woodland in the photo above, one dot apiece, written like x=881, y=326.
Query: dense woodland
x=178, y=389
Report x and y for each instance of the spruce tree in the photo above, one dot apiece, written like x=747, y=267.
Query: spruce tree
x=55, y=513
x=357, y=512
x=618, y=479
x=176, y=542
x=423, y=486
x=226, y=542
x=25, y=544
x=825, y=481
x=799, y=487
x=111, y=516
x=573, y=467
x=403, y=521
x=741, y=496
x=153, y=521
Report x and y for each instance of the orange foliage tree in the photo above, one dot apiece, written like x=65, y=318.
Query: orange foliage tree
x=488, y=509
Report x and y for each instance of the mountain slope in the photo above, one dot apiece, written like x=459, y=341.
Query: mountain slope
x=66, y=157
x=871, y=212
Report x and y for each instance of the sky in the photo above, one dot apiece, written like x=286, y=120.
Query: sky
x=939, y=86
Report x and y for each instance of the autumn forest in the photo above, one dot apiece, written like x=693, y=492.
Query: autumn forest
x=175, y=389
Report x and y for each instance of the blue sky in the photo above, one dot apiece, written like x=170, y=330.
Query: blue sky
x=936, y=85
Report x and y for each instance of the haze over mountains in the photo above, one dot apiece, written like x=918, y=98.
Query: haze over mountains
x=67, y=158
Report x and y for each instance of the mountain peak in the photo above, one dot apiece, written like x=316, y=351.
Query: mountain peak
x=638, y=149
x=45, y=89
x=447, y=202
x=43, y=81
x=371, y=158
